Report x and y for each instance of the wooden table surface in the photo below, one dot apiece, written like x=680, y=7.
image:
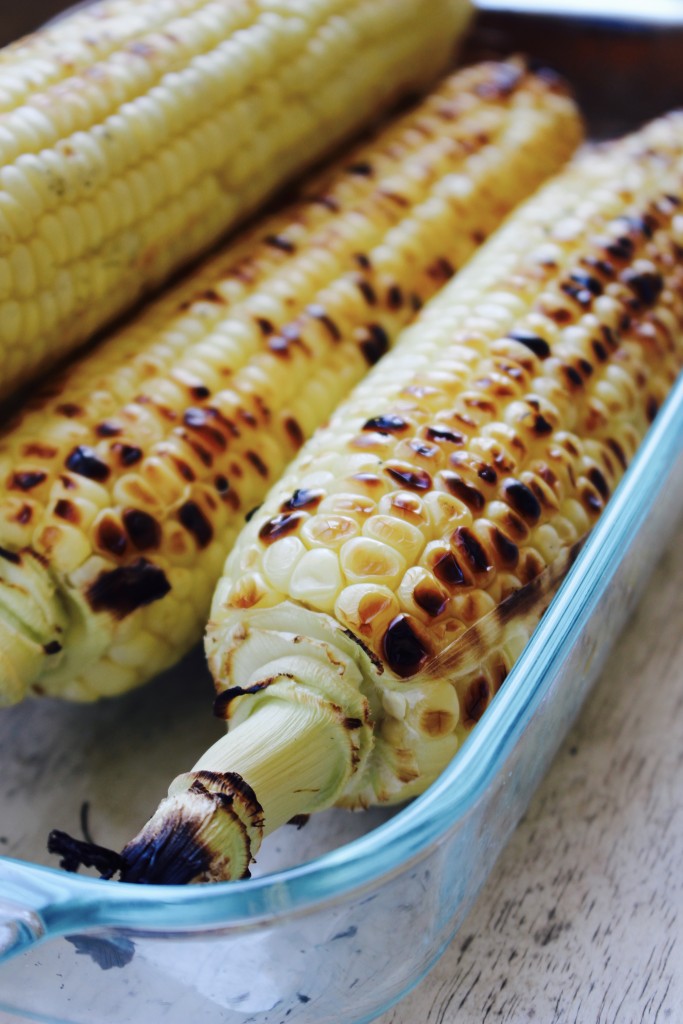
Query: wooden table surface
x=581, y=921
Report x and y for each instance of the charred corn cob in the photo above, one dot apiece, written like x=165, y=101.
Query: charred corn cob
x=370, y=611
x=125, y=488
x=134, y=133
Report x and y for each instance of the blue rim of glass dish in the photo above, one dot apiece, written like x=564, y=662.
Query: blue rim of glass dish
x=67, y=901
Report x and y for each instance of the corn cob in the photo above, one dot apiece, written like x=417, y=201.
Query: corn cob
x=125, y=488
x=135, y=133
x=369, y=612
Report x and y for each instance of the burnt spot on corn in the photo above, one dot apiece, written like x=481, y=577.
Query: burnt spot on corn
x=546, y=474
x=110, y=536
x=646, y=285
x=388, y=424
x=441, y=435
x=86, y=462
x=475, y=701
x=302, y=498
x=280, y=526
x=617, y=451
x=587, y=281
x=65, y=509
x=10, y=556
x=26, y=480
x=460, y=489
x=69, y=409
x=394, y=297
x=282, y=343
x=522, y=500
x=36, y=449
x=195, y=522
x=280, y=242
x=447, y=569
x=592, y=501
x=362, y=168
x=599, y=482
x=200, y=451
x=53, y=647
x=121, y=591
x=294, y=431
x=644, y=224
x=393, y=197
x=373, y=343
x=621, y=249
x=320, y=314
x=572, y=376
x=530, y=567
x=651, y=408
x=534, y=342
x=430, y=598
x=367, y=291
x=128, y=454
x=362, y=260
x=423, y=448
x=440, y=270
x=247, y=417
x=515, y=526
x=210, y=295
x=222, y=484
x=408, y=476
x=265, y=326
x=24, y=515
x=108, y=429
x=599, y=350
x=186, y=472
x=207, y=423
x=257, y=462
x=471, y=550
x=507, y=550
x=404, y=650
x=143, y=529
x=583, y=296
x=602, y=266
x=487, y=473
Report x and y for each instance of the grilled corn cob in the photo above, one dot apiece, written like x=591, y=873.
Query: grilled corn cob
x=369, y=612
x=133, y=134
x=124, y=489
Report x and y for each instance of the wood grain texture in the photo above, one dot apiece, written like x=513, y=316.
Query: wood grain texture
x=581, y=921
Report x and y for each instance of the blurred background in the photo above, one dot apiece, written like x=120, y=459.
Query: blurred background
x=623, y=57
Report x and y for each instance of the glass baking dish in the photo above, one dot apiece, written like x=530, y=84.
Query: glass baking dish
x=347, y=914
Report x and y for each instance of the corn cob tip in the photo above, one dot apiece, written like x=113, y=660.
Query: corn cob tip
x=305, y=736
x=32, y=623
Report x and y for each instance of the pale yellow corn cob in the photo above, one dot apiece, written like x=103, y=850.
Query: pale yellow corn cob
x=123, y=490
x=371, y=609
x=133, y=134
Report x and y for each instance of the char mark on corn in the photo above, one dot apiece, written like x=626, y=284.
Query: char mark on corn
x=130, y=476
x=452, y=491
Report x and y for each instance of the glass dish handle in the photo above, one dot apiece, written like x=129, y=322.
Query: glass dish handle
x=19, y=929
